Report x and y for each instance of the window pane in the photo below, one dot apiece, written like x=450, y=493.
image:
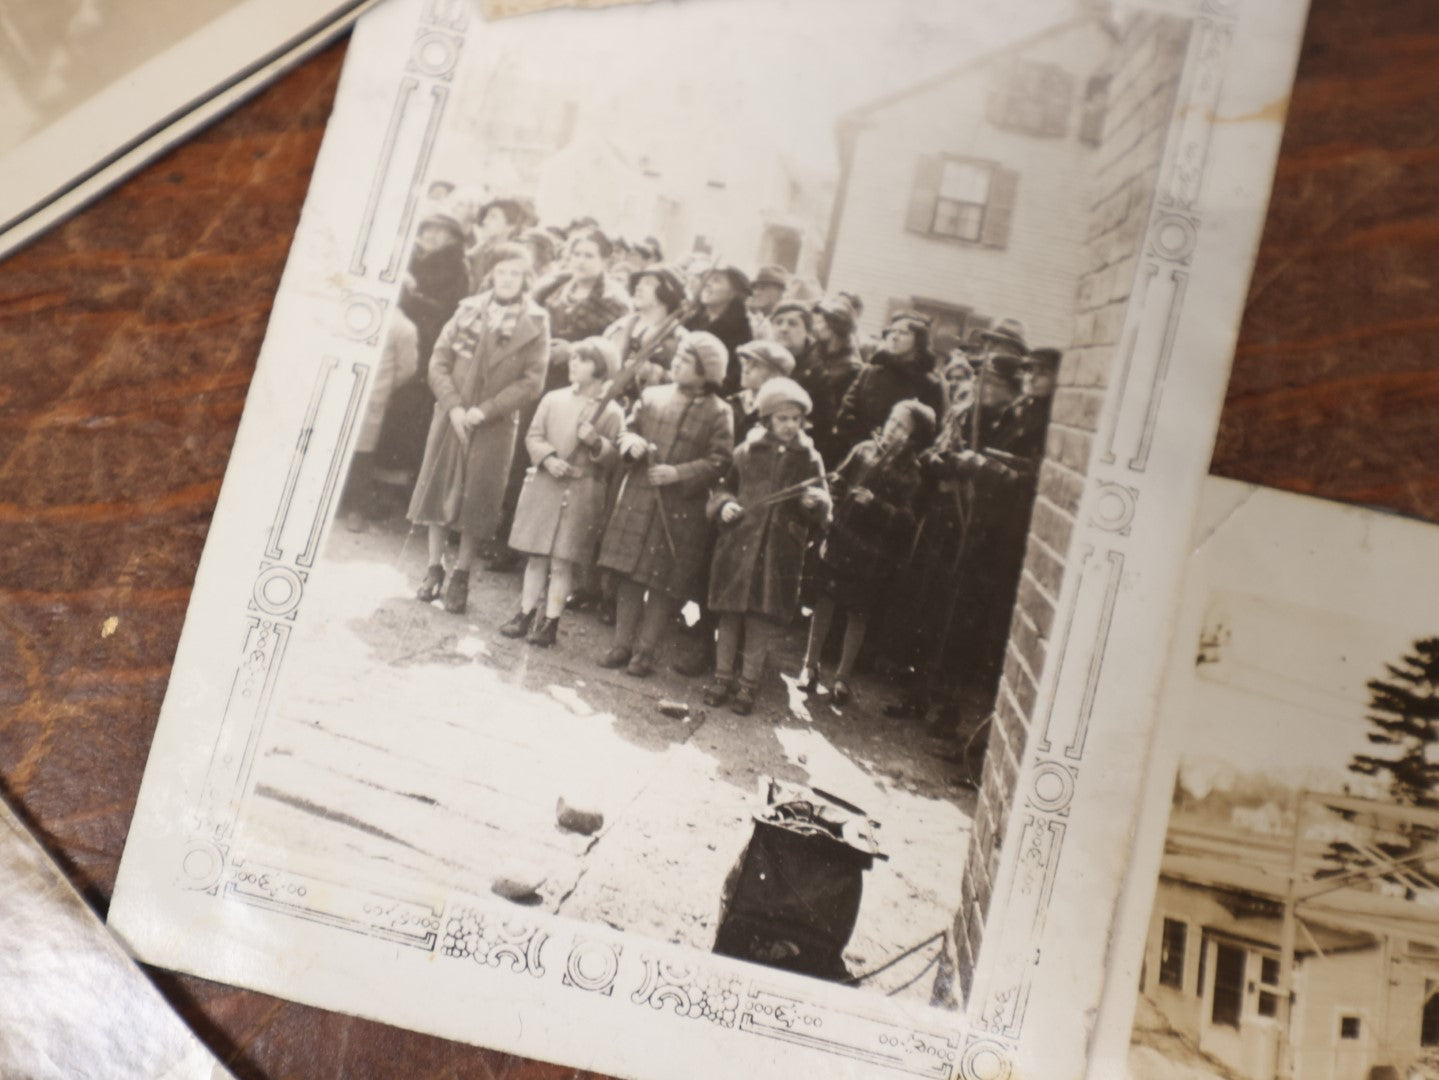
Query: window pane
x=1268, y=1004
x=1349, y=1027
x=1228, y=985
x=1429, y=1031
x=960, y=220
x=1171, y=954
x=1269, y=970
x=964, y=181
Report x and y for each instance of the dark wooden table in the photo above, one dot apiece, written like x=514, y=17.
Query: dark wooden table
x=129, y=336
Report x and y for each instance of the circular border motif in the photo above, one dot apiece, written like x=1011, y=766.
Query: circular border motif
x=435, y=54
x=202, y=864
x=985, y=1061
x=294, y=590
x=1054, y=801
x=1174, y=237
x=1114, y=507
x=363, y=316
x=588, y=952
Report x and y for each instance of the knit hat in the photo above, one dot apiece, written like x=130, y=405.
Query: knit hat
x=921, y=421
x=770, y=353
x=708, y=352
x=779, y=392
x=602, y=353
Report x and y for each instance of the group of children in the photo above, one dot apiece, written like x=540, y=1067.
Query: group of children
x=676, y=493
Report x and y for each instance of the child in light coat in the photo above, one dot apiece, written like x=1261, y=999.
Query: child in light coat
x=572, y=446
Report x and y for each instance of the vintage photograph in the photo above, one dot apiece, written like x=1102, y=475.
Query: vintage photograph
x=688, y=494
x=56, y=55
x=684, y=526
x=1294, y=933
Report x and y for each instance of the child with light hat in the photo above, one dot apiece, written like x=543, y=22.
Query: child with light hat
x=769, y=503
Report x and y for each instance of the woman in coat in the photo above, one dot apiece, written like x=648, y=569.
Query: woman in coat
x=827, y=372
x=572, y=445
x=722, y=312
x=769, y=504
x=488, y=364
x=679, y=442
x=658, y=293
x=903, y=370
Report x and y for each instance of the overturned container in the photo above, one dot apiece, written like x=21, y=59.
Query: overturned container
x=792, y=899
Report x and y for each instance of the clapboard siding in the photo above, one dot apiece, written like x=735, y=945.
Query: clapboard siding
x=1034, y=277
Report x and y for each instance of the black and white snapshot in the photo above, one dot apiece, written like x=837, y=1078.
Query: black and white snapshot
x=56, y=55
x=1295, y=929
x=672, y=583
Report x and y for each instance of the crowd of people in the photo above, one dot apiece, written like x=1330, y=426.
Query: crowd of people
x=650, y=438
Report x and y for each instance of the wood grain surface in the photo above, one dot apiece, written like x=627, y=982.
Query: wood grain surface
x=129, y=336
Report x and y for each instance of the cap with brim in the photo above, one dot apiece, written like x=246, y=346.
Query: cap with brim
x=1006, y=334
x=441, y=219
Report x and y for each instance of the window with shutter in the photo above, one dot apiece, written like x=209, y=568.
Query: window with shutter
x=962, y=199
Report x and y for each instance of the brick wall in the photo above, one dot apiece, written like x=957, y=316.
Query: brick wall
x=1123, y=171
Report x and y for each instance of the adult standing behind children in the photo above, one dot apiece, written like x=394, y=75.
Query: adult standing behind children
x=903, y=369
x=488, y=364
x=680, y=440
x=581, y=301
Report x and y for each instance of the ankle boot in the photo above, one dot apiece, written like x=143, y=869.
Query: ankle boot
x=433, y=583
x=545, y=631
x=457, y=592
x=520, y=624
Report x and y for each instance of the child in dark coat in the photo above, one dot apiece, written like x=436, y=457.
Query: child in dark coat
x=767, y=505
x=680, y=441
x=874, y=492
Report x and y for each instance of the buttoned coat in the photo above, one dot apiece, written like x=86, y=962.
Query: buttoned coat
x=656, y=536
x=759, y=558
x=564, y=518
x=462, y=485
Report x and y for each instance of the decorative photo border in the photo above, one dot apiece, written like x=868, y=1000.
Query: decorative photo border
x=1125, y=554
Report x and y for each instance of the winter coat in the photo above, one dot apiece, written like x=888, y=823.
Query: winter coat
x=868, y=542
x=399, y=361
x=880, y=385
x=564, y=518
x=732, y=327
x=588, y=316
x=462, y=486
x=759, y=559
x=695, y=433
x=826, y=377
x=437, y=281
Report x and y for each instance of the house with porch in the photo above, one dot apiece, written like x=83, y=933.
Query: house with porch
x=1366, y=968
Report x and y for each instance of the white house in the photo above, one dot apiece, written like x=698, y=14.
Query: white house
x=967, y=197
x=1366, y=975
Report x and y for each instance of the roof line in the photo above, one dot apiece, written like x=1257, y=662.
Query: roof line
x=974, y=62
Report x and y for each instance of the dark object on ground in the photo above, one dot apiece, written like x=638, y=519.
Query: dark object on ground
x=792, y=899
x=520, y=890
x=676, y=710
x=577, y=820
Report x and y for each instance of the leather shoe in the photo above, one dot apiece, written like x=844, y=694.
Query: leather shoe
x=616, y=658
x=640, y=666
